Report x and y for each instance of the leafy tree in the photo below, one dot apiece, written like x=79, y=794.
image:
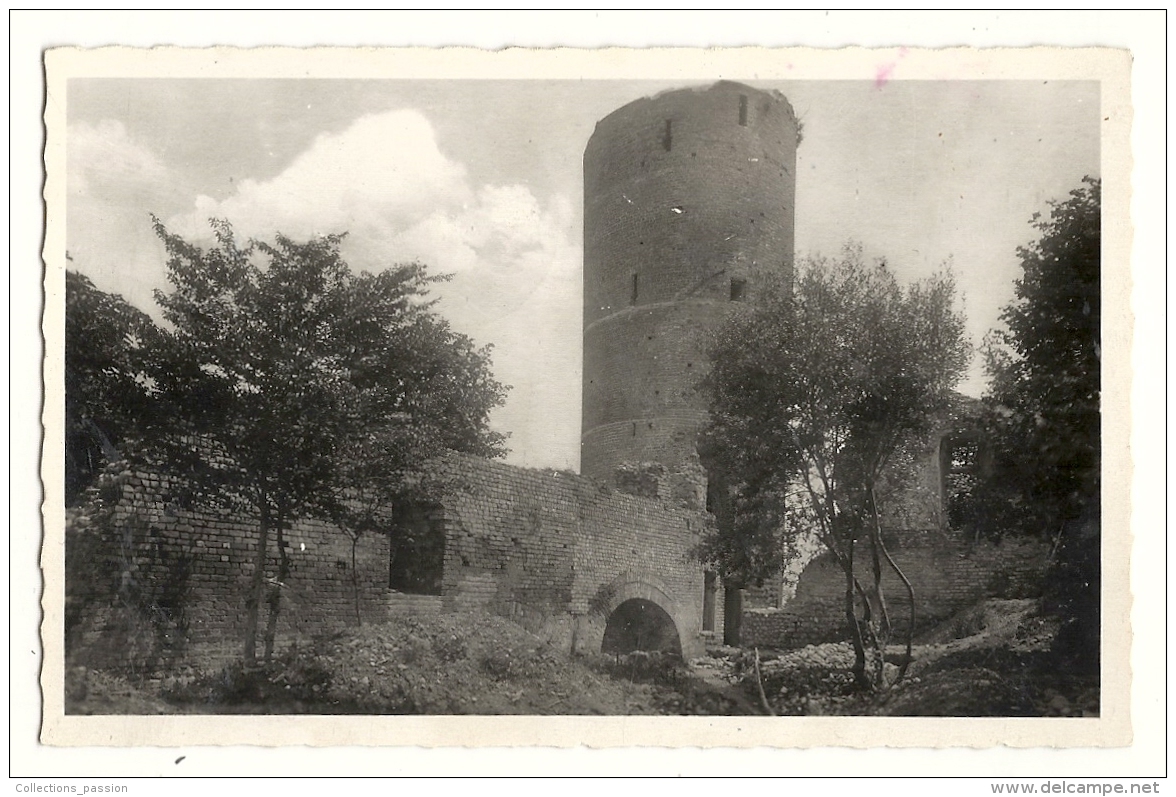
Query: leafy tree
x=379, y=467
x=107, y=400
x=290, y=377
x=814, y=391
x=1044, y=416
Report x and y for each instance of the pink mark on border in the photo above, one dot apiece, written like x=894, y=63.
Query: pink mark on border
x=882, y=75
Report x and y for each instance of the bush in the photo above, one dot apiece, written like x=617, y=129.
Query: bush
x=1072, y=592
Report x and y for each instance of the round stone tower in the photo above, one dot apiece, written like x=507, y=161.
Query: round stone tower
x=687, y=195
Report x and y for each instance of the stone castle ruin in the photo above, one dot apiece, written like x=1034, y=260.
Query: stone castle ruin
x=687, y=196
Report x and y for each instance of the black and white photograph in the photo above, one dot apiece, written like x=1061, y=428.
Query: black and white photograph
x=723, y=396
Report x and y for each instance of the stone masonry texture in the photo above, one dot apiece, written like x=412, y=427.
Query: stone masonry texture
x=948, y=575
x=559, y=552
x=554, y=551
x=163, y=584
x=686, y=194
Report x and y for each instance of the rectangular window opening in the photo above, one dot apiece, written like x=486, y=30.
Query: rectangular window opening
x=709, y=590
x=743, y=110
x=738, y=289
x=633, y=293
x=416, y=557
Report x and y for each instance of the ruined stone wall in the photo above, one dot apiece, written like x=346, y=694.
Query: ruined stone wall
x=948, y=571
x=557, y=552
x=948, y=575
x=163, y=585
x=912, y=493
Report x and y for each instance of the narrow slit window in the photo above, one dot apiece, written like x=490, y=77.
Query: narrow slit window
x=668, y=136
x=738, y=289
x=633, y=293
x=743, y=110
x=709, y=591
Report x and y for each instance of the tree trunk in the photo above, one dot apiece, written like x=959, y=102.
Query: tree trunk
x=855, y=629
x=880, y=628
x=884, y=626
x=910, y=635
x=275, y=598
x=257, y=581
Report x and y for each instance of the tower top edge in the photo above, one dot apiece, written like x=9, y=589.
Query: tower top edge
x=723, y=86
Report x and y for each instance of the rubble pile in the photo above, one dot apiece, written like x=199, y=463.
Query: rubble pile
x=992, y=660
x=466, y=664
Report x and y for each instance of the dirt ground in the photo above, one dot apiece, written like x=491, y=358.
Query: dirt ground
x=992, y=660
x=442, y=664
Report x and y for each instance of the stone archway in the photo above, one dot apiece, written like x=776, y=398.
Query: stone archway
x=639, y=613
x=640, y=624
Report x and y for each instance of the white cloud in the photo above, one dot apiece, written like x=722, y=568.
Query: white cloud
x=101, y=158
x=515, y=263
x=384, y=172
x=113, y=183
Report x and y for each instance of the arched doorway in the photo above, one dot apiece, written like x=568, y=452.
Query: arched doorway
x=640, y=624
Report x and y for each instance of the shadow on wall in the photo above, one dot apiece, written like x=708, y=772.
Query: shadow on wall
x=639, y=624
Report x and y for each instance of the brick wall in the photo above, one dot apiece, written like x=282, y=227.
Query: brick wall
x=162, y=584
x=678, y=212
x=558, y=552
x=554, y=551
x=684, y=193
x=947, y=574
x=912, y=498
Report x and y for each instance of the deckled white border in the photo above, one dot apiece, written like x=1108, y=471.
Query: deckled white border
x=1110, y=67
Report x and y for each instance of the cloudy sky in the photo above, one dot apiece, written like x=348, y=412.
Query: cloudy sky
x=482, y=179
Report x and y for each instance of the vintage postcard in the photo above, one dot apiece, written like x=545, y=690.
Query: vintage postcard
x=710, y=398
